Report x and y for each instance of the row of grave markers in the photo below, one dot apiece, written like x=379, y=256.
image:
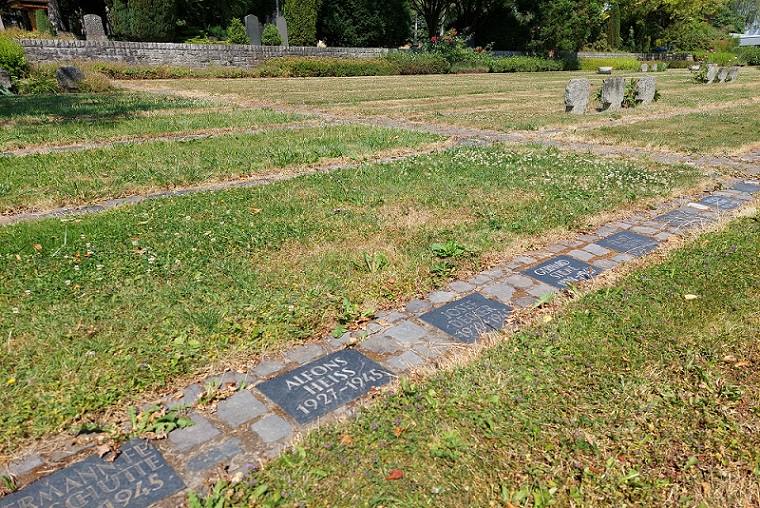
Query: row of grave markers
x=140, y=476
x=578, y=93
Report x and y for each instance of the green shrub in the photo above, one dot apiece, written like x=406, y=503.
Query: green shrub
x=270, y=36
x=39, y=81
x=525, y=64
x=620, y=64
x=12, y=57
x=720, y=58
x=236, y=33
x=43, y=22
x=326, y=67
x=750, y=54
x=678, y=64
x=418, y=62
x=469, y=68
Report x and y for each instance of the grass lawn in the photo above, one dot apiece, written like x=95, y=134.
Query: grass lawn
x=633, y=396
x=494, y=101
x=34, y=121
x=96, y=309
x=42, y=181
x=725, y=131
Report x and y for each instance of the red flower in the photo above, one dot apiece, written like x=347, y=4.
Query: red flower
x=434, y=39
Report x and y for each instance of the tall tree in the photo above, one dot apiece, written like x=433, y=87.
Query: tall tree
x=470, y=14
x=364, y=23
x=566, y=25
x=433, y=11
x=301, y=16
x=748, y=10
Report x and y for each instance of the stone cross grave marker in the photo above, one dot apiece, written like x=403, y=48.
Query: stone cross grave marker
x=469, y=318
x=613, y=91
x=712, y=72
x=253, y=29
x=629, y=243
x=137, y=478
x=722, y=74
x=646, y=89
x=561, y=271
x=321, y=386
x=282, y=27
x=93, y=28
x=577, y=93
x=733, y=74
x=719, y=202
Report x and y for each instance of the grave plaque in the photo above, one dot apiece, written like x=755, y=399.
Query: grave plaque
x=749, y=188
x=719, y=202
x=137, y=478
x=324, y=385
x=681, y=218
x=629, y=243
x=470, y=317
x=561, y=271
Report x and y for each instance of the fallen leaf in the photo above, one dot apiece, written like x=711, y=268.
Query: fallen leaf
x=37, y=246
x=255, y=211
x=399, y=430
x=729, y=358
x=547, y=318
x=742, y=364
x=510, y=505
x=345, y=439
x=18, y=257
x=396, y=474
x=690, y=297
x=594, y=470
x=103, y=450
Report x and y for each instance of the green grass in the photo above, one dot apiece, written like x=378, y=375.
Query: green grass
x=502, y=102
x=29, y=121
x=41, y=181
x=74, y=106
x=635, y=396
x=719, y=132
x=96, y=309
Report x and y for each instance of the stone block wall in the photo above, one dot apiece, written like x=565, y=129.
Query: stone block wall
x=198, y=56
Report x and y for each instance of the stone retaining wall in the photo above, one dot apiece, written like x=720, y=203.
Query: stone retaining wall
x=199, y=56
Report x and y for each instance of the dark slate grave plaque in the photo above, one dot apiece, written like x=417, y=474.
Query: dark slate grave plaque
x=719, y=202
x=749, y=188
x=682, y=219
x=629, y=243
x=137, y=478
x=561, y=271
x=324, y=385
x=470, y=317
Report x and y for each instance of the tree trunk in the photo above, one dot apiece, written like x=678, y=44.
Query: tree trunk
x=54, y=14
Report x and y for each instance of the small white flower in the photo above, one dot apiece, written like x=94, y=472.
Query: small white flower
x=15, y=310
